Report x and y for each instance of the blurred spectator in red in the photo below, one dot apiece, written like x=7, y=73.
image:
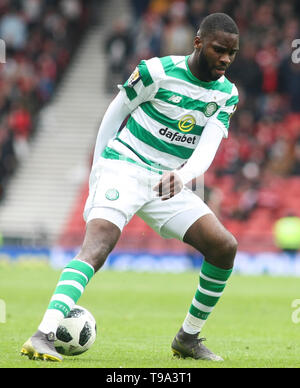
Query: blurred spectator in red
x=20, y=123
x=19, y=120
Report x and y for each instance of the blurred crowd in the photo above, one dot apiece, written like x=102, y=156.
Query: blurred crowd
x=264, y=140
x=40, y=38
x=264, y=136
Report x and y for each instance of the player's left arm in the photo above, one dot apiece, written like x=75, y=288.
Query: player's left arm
x=215, y=130
x=111, y=122
x=172, y=182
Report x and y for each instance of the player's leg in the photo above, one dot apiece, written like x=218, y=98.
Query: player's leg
x=100, y=238
x=218, y=247
x=117, y=189
x=187, y=218
x=208, y=236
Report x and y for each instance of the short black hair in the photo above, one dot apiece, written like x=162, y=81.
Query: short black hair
x=217, y=22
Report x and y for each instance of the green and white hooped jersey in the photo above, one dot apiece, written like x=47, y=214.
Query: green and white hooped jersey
x=170, y=108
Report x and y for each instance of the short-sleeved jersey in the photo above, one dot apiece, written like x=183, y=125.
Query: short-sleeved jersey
x=170, y=108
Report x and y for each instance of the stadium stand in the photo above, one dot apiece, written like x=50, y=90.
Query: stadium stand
x=40, y=39
x=41, y=77
x=256, y=173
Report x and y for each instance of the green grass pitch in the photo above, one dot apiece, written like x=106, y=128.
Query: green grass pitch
x=139, y=313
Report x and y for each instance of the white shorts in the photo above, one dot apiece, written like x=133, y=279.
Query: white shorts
x=119, y=189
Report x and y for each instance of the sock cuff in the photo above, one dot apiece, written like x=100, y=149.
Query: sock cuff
x=214, y=272
x=59, y=306
x=83, y=267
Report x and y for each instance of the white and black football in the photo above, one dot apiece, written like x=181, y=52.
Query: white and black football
x=76, y=332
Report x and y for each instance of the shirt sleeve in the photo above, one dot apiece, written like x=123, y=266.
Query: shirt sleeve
x=111, y=122
x=139, y=87
x=215, y=130
x=203, y=155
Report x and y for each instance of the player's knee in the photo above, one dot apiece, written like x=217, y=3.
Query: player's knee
x=100, y=239
x=229, y=248
x=222, y=252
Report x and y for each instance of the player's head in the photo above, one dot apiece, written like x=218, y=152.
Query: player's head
x=216, y=45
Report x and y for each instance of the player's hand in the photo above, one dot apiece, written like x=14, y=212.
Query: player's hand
x=169, y=185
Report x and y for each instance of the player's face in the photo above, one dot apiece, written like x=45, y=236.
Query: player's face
x=215, y=53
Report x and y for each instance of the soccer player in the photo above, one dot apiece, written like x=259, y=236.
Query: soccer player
x=178, y=110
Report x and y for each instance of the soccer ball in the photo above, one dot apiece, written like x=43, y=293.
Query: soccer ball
x=76, y=332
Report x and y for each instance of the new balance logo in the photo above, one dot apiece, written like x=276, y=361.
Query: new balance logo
x=175, y=99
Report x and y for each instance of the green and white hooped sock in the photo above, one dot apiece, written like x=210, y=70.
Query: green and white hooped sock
x=212, y=281
x=69, y=289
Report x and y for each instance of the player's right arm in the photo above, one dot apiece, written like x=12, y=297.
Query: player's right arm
x=136, y=90
x=111, y=122
x=172, y=182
